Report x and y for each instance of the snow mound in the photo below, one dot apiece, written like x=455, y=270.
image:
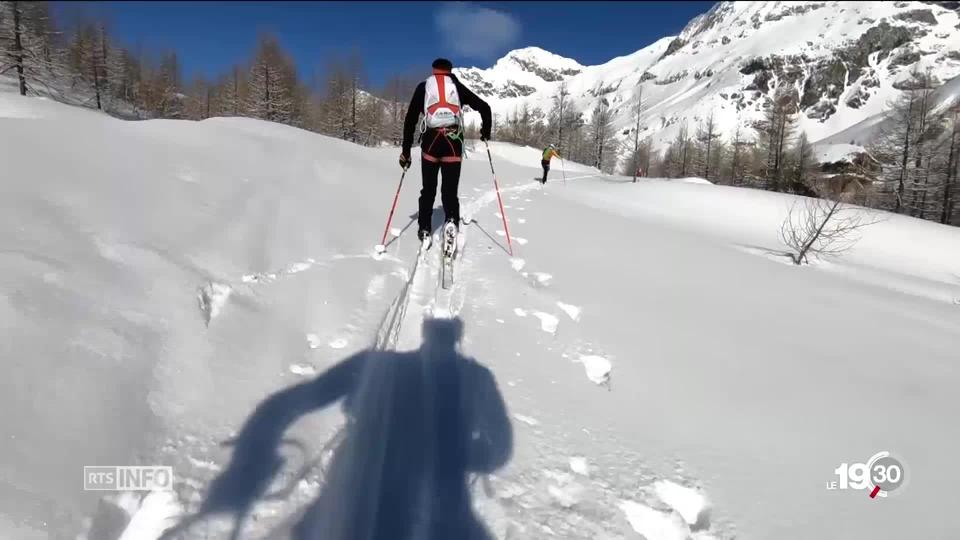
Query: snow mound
x=690, y=503
x=653, y=524
x=598, y=368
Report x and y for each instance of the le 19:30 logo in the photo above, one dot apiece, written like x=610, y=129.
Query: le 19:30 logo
x=880, y=475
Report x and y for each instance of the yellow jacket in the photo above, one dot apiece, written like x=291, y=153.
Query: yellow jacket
x=549, y=153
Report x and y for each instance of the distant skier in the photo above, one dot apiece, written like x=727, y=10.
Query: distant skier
x=548, y=153
x=439, y=99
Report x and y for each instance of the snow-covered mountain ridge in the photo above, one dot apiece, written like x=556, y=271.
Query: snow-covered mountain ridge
x=844, y=62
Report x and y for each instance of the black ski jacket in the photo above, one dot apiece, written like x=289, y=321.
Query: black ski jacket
x=467, y=98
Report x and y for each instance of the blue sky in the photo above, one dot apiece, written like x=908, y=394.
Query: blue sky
x=391, y=36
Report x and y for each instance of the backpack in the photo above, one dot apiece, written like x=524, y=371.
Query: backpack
x=441, y=103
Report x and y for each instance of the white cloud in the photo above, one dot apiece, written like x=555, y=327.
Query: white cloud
x=475, y=31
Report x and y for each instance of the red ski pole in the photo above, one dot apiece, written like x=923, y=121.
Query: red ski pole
x=383, y=241
x=496, y=186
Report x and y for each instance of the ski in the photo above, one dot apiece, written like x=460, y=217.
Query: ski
x=447, y=254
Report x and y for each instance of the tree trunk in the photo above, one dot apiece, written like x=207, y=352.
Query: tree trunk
x=236, y=92
x=953, y=163
x=636, y=137
x=803, y=252
x=353, y=112
x=18, y=48
x=266, y=85
x=96, y=88
x=905, y=158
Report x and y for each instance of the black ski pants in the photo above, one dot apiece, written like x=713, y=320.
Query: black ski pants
x=441, y=156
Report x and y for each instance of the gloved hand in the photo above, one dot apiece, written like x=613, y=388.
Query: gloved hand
x=405, y=159
x=485, y=134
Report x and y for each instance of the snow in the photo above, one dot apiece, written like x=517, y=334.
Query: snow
x=578, y=464
x=830, y=153
x=526, y=420
x=747, y=378
x=572, y=311
x=597, y=367
x=158, y=511
x=689, y=503
x=548, y=322
x=654, y=525
x=854, y=137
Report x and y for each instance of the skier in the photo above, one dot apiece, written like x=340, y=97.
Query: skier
x=548, y=154
x=439, y=99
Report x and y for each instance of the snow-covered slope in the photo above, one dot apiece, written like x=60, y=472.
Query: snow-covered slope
x=843, y=60
x=862, y=132
x=661, y=374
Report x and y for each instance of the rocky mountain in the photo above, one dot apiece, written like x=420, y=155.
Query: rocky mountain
x=843, y=61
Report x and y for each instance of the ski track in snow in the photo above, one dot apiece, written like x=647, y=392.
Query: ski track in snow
x=303, y=369
x=559, y=489
x=425, y=301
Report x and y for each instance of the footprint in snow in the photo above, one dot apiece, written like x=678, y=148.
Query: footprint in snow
x=542, y=278
x=338, y=343
x=314, y=341
x=548, y=323
x=303, y=369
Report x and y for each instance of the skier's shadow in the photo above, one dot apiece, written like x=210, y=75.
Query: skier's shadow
x=419, y=423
